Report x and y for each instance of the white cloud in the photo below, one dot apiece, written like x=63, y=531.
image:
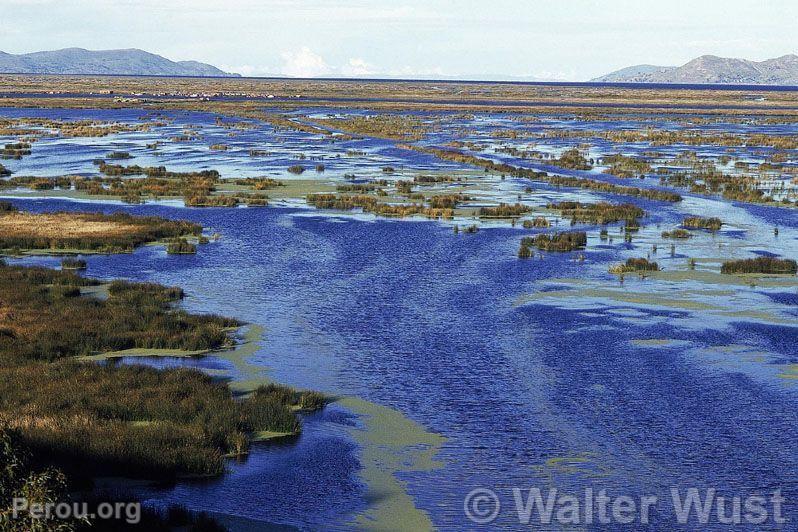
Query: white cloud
x=304, y=63
x=410, y=72
x=251, y=70
x=357, y=67
x=558, y=75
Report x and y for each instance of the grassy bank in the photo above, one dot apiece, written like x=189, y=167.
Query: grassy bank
x=99, y=233
x=88, y=419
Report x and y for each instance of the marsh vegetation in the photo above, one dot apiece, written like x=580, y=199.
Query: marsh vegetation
x=135, y=421
x=560, y=241
x=767, y=265
x=99, y=233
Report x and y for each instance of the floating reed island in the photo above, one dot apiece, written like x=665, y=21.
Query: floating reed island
x=92, y=419
x=71, y=232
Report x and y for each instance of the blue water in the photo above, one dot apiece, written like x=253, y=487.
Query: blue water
x=411, y=316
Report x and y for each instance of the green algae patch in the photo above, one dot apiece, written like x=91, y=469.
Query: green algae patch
x=171, y=353
x=711, y=277
x=759, y=315
x=585, y=465
x=790, y=372
x=250, y=376
x=391, y=443
x=658, y=342
x=639, y=298
x=266, y=435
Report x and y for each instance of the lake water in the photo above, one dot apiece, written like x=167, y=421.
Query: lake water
x=543, y=373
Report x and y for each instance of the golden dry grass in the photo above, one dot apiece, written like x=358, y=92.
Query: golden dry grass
x=62, y=225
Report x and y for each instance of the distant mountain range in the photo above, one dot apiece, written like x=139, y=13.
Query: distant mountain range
x=712, y=69
x=131, y=62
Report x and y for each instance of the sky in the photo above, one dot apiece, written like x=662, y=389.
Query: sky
x=565, y=40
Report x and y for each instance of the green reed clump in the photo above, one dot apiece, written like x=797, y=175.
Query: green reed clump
x=573, y=159
x=371, y=205
x=771, y=265
x=359, y=188
x=565, y=181
x=447, y=201
x=561, y=241
x=133, y=420
x=504, y=210
x=538, y=221
x=600, y=213
x=677, y=233
x=15, y=151
x=51, y=321
x=7, y=206
x=635, y=265
x=624, y=166
x=699, y=222
x=19, y=479
x=69, y=263
x=206, y=200
x=180, y=246
x=525, y=252
x=259, y=183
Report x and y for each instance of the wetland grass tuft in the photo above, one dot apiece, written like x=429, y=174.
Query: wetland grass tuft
x=768, y=265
